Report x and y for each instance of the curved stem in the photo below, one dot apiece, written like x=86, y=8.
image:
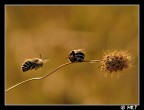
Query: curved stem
x=38, y=78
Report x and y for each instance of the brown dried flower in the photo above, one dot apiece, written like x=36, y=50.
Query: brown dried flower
x=115, y=61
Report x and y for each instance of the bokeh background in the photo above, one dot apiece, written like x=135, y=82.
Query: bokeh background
x=54, y=31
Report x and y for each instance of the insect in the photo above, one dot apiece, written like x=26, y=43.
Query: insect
x=76, y=55
x=34, y=63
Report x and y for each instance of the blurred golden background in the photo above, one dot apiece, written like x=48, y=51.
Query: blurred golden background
x=54, y=31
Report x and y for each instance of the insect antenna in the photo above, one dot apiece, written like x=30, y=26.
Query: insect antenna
x=43, y=59
x=40, y=56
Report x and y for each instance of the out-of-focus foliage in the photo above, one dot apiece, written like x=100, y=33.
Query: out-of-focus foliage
x=54, y=31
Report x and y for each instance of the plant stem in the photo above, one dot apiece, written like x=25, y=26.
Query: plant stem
x=38, y=78
x=92, y=61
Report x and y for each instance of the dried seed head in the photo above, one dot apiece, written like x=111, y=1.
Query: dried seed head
x=115, y=61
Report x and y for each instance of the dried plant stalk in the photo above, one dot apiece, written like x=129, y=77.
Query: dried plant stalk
x=38, y=78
